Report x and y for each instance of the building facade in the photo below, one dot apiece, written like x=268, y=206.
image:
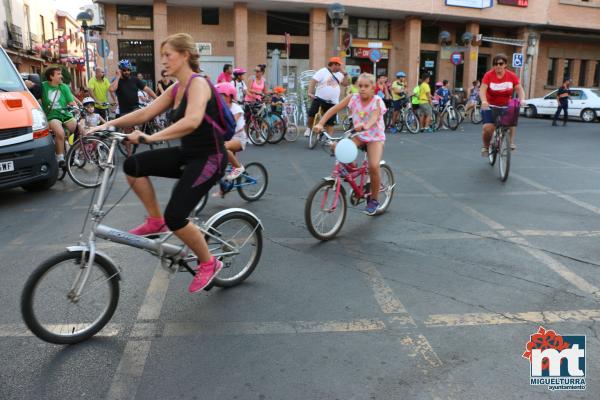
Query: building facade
x=556, y=38
x=36, y=35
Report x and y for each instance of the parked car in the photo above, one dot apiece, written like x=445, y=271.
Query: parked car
x=584, y=104
x=26, y=146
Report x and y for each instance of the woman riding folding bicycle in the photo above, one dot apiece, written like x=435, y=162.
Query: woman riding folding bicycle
x=367, y=115
x=198, y=163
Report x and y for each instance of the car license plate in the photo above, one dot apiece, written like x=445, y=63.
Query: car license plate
x=6, y=166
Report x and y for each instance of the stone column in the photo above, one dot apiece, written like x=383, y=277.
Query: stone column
x=240, y=32
x=470, y=66
x=589, y=76
x=396, y=54
x=412, y=45
x=575, y=72
x=160, y=33
x=318, y=38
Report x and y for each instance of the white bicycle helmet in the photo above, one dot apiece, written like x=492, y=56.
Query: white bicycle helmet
x=88, y=100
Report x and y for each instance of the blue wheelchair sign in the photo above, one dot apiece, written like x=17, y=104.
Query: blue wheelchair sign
x=517, y=61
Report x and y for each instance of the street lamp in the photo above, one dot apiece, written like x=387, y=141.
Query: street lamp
x=336, y=13
x=84, y=17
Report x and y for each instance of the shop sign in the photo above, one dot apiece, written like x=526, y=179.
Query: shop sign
x=470, y=3
x=517, y=3
x=363, y=52
x=205, y=49
x=375, y=45
x=429, y=64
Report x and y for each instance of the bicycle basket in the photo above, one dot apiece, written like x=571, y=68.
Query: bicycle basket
x=510, y=116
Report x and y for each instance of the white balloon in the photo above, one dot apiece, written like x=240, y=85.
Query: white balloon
x=346, y=151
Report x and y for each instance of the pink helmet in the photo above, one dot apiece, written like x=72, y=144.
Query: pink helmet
x=239, y=71
x=439, y=83
x=226, y=88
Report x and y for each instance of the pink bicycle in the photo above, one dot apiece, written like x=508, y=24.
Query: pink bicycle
x=326, y=205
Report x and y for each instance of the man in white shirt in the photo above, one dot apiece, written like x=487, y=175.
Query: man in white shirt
x=327, y=82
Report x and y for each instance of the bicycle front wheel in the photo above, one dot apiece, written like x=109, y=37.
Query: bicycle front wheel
x=504, y=157
x=252, y=184
x=451, y=119
x=54, y=312
x=291, y=133
x=324, y=212
x=86, y=161
x=255, y=133
x=235, y=239
x=476, y=117
x=412, y=122
x=277, y=128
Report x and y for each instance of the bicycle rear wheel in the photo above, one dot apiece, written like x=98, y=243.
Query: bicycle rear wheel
x=86, y=160
x=235, y=239
x=504, y=156
x=322, y=219
x=252, y=184
x=386, y=188
x=50, y=307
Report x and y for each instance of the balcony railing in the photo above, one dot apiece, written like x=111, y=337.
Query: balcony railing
x=15, y=36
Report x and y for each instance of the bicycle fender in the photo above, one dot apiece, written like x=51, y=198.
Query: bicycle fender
x=99, y=254
x=218, y=215
x=332, y=179
x=382, y=162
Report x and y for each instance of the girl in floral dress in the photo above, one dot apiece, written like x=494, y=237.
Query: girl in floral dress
x=367, y=115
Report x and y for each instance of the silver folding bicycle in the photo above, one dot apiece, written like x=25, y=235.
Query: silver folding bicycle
x=71, y=296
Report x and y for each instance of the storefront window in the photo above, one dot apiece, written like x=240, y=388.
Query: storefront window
x=280, y=23
x=429, y=34
x=297, y=51
x=210, y=16
x=597, y=74
x=362, y=28
x=551, y=71
x=373, y=29
x=141, y=54
x=134, y=17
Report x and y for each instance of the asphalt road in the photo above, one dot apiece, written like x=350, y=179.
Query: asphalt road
x=436, y=299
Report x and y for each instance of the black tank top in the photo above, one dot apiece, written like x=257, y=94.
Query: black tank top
x=203, y=140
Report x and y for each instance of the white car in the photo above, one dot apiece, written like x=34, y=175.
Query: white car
x=584, y=103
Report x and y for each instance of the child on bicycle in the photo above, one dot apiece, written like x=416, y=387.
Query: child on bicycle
x=277, y=99
x=367, y=112
x=90, y=119
x=238, y=142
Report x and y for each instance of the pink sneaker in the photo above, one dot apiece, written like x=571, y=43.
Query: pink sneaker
x=150, y=226
x=205, y=274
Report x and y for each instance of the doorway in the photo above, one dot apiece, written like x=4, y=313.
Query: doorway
x=429, y=62
x=141, y=55
x=483, y=66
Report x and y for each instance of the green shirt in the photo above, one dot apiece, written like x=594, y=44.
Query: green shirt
x=55, y=97
x=424, y=90
x=400, y=87
x=415, y=96
x=353, y=89
x=100, y=90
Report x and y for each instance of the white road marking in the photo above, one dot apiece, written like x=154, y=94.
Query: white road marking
x=479, y=319
x=126, y=380
x=548, y=261
x=155, y=295
x=559, y=194
x=20, y=330
x=270, y=328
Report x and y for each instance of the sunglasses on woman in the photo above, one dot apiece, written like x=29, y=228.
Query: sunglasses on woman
x=499, y=63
